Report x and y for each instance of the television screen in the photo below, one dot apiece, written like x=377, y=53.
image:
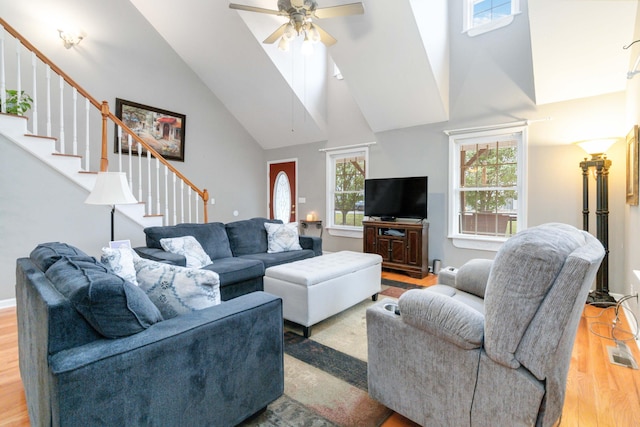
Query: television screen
x=391, y=198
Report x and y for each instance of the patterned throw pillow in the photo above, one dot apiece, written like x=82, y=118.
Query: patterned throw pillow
x=188, y=247
x=120, y=261
x=282, y=237
x=177, y=290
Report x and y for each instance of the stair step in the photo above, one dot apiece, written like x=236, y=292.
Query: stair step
x=154, y=216
x=30, y=135
x=67, y=155
x=89, y=172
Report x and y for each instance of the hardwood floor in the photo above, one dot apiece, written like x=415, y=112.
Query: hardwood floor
x=598, y=393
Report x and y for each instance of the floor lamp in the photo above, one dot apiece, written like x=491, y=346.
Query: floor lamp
x=598, y=165
x=112, y=189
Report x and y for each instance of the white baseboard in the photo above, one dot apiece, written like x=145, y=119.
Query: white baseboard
x=6, y=303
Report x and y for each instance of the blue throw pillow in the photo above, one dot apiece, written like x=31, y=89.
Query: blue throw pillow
x=113, y=306
x=46, y=254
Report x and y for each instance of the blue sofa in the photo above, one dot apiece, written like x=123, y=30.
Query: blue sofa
x=216, y=366
x=238, y=251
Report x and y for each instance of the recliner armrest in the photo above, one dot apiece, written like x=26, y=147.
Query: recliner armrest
x=159, y=255
x=443, y=317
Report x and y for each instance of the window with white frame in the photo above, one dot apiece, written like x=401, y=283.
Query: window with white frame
x=487, y=186
x=480, y=16
x=346, y=172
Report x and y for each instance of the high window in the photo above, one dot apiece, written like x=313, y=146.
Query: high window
x=487, y=186
x=481, y=16
x=346, y=172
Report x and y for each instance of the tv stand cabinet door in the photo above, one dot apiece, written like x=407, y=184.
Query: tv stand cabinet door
x=414, y=248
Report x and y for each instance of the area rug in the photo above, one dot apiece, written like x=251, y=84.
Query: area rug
x=326, y=375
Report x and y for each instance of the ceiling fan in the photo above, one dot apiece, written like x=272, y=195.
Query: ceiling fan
x=301, y=14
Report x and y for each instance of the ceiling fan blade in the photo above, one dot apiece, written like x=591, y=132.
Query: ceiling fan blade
x=253, y=9
x=325, y=37
x=275, y=35
x=344, y=10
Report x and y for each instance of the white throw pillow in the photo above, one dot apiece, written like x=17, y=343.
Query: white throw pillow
x=189, y=247
x=177, y=290
x=120, y=261
x=282, y=237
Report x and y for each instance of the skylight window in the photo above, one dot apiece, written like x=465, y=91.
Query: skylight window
x=481, y=16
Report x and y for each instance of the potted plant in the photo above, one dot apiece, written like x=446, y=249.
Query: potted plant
x=17, y=103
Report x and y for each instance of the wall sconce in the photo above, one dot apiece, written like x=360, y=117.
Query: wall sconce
x=70, y=39
x=600, y=165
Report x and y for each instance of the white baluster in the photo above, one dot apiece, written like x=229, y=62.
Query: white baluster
x=130, y=172
x=119, y=148
x=3, y=81
x=173, y=192
x=149, y=200
x=61, y=85
x=87, y=150
x=75, y=122
x=182, y=201
x=18, y=70
x=166, y=193
x=140, y=172
x=189, y=201
x=158, y=210
x=48, y=75
x=34, y=106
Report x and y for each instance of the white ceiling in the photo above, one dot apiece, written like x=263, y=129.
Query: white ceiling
x=394, y=58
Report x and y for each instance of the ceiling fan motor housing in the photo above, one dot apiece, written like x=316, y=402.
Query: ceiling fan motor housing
x=293, y=6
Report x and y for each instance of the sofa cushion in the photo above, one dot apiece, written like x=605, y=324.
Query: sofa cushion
x=189, y=247
x=473, y=275
x=249, y=236
x=525, y=268
x=120, y=261
x=46, y=254
x=282, y=237
x=270, y=260
x=211, y=236
x=234, y=270
x=177, y=290
x=113, y=306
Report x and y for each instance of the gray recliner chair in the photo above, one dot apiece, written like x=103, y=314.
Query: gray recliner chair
x=491, y=343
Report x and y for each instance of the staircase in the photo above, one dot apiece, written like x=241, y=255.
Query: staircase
x=14, y=128
x=70, y=120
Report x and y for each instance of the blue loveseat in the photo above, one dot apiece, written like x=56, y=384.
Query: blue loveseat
x=95, y=351
x=238, y=251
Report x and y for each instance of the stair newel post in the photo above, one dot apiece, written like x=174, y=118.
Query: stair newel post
x=104, y=161
x=205, y=199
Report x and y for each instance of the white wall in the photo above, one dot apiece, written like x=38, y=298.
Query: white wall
x=121, y=57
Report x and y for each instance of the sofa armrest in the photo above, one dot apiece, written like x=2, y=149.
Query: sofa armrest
x=159, y=255
x=222, y=363
x=312, y=242
x=447, y=276
x=444, y=317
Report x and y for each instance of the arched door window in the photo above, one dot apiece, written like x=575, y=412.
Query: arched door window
x=282, y=198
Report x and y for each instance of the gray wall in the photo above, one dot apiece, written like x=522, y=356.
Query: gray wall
x=491, y=83
x=121, y=57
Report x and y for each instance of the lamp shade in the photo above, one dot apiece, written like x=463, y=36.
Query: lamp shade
x=597, y=147
x=111, y=188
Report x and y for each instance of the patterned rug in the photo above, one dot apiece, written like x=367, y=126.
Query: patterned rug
x=326, y=375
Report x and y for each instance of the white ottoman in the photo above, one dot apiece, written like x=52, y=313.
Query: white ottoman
x=316, y=288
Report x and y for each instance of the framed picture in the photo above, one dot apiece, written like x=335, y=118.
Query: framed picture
x=632, y=167
x=163, y=130
x=116, y=244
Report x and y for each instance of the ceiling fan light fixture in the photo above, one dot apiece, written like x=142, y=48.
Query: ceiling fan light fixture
x=314, y=34
x=290, y=32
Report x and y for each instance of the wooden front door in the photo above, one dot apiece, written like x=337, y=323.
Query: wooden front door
x=282, y=191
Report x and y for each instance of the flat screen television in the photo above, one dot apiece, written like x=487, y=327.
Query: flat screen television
x=391, y=198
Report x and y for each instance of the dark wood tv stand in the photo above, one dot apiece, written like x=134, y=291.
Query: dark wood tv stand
x=404, y=246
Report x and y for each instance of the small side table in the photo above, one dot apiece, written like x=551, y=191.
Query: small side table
x=304, y=225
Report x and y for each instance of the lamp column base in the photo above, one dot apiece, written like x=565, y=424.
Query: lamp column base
x=598, y=298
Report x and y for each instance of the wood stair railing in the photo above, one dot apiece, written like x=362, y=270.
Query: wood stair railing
x=166, y=197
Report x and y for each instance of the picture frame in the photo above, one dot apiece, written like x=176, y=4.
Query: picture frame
x=163, y=130
x=632, y=166
x=117, y=244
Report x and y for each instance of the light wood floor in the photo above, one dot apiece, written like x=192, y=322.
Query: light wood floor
x=598, y=393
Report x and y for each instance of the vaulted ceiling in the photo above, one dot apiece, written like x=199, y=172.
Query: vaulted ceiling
x=394, y=58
